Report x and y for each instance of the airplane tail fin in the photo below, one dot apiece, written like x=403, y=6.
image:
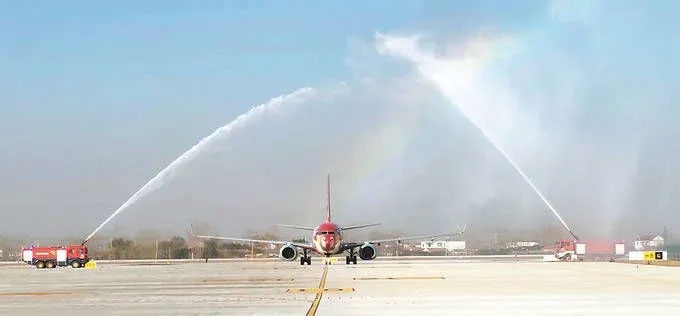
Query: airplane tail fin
x=191, y=229
x=328, y=198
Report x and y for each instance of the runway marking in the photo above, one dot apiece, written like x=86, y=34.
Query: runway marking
x=241, y=279
x=329, y=260
x=34, y=293
x=148, y=264
x=318, y=290
x=317, y=300
x=402, y=278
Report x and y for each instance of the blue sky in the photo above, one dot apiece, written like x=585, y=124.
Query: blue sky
x=171, y=52
x=154, y=77
x=81, y=68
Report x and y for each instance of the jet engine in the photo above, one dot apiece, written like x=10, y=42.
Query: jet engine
x=367, y=252
x=288, y=252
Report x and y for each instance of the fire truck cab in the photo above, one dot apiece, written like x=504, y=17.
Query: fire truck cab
x=567, y=250
x=50, y=257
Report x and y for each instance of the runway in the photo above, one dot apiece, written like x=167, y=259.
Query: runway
x=402, y=287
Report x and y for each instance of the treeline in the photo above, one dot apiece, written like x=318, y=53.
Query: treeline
x=178, y=248
x=121, y=248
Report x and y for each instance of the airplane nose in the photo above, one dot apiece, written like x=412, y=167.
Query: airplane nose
x=327, y=242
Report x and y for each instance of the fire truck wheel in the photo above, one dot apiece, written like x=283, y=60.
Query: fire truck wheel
x=75, y=264
x=39, y=264
x=50, y=264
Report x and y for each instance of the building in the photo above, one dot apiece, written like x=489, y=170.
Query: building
x=522, y=245
x=449, y=245
x=649, y=242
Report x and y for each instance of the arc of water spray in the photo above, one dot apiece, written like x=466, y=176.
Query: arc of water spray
x=407, y=48
x=519, y=170
x=157, y=180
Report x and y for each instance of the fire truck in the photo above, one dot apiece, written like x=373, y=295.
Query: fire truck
x=50, y=257
x=571, y=250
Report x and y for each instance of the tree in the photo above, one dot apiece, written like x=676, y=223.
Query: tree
x=122, y=248
x=120, y=243
x=178, y=248
x=210, y=249
x=164, y=250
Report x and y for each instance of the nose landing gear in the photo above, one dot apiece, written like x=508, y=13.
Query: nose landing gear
x=305, y=258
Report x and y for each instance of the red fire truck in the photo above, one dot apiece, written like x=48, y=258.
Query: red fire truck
x=50, y=257
x=570, y=250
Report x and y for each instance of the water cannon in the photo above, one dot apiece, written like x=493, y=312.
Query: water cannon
x=574, y=235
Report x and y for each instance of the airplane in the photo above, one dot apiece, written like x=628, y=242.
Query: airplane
x=328, y=240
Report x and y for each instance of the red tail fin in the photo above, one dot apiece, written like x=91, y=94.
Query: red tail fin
x=328, y=199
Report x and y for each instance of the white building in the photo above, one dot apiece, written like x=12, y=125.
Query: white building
x=522, y=244
x=649, y=242
x=450, y=245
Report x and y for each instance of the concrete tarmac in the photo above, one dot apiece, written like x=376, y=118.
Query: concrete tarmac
x=403, y=287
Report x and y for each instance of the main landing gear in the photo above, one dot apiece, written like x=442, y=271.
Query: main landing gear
x=305, y=258
x=351, y=258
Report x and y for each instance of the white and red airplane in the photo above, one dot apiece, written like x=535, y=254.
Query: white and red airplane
x=327, y=240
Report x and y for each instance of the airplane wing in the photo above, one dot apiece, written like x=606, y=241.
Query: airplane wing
x=360, y=226
x=296, y=227
x=400, y=239
x=275, y=242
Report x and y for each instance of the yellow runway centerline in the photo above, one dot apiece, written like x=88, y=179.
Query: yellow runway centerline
x=317, y=300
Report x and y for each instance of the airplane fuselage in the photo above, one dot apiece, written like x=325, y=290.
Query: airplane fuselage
x=327, y=239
